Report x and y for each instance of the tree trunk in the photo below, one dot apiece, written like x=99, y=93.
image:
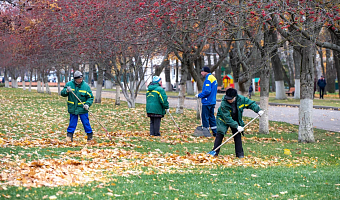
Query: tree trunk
x=98, y=98
x=265, y=87
x=59, y=80
x=90, y=74
x=30, y=77
x=42, y=83
x=39, y=86
x=218, y=72
x=177, y=75
x=117, y=94
x=277, y=67
x=190, y=86
x=168, y=86
x=108, y=84
x=330, y=73
x=297, y=64
x=307, y=86
x=182, y=91
x=264, y=99
x=23, y=80
x=95, y=75
x=336, y=55
x=290, y=62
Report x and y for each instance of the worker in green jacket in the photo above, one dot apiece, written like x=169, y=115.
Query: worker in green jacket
x=229, y=114
x=75, y=108
x=156, y=105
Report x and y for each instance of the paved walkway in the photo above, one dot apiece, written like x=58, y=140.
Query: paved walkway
x=322, y=118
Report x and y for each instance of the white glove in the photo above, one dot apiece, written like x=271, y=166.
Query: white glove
x=196, y=95
x=68, y=89
x=240, y=129
x=260, y=113
x=168, y=110
x=86, y=107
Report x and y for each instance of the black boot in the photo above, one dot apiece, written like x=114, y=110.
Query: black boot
x=69, y=137
x=89, y=136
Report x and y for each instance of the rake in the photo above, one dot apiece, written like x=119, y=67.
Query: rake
x=174, y=122
x=107, y=133
x=213, y=152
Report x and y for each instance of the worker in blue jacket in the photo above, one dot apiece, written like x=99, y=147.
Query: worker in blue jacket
x=208, y=98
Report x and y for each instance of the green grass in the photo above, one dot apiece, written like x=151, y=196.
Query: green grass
x=137, y=166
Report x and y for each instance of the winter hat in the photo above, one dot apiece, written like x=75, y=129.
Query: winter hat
x=77, y=75
x=230, y=94
x=156, y=79
x=205, y=69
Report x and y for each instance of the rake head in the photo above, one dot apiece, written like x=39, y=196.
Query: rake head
x=212, y=153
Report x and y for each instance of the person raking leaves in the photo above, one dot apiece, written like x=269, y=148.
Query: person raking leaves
x=156, y=105
x=83, y=91
x=229, y=114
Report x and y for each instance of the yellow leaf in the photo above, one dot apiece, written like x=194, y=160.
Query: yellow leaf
x=286, y=151
x=53, y=197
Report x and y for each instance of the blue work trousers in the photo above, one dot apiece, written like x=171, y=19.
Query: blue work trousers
x=208, y=117
x=74, y=120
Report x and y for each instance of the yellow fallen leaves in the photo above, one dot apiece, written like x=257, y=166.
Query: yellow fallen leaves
x=101, y=164
x=286, y=152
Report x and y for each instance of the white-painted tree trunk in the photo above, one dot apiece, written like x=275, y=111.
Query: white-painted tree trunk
x=108, y=84
x=59, y=89
x=190, y=88
x=280, y=90
x=30, y=86
x=297, y=89
x=42, y=87
x=264, y=121
x=236, y=86
x=181, y=99
x=142, y=86
x=98, y=98
x=6, y=84
x=48, y=91
x=168, y=86
x=117, y=95
x=14, y=83
x=24, y=85
x=95, y=84
x=39, y=86
x=306, y=121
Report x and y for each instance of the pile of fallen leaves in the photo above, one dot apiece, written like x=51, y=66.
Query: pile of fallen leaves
x=87, y=165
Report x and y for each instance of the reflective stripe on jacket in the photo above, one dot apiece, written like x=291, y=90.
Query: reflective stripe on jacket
x=156, y=99
x=83, y=92
x=209, y=90
x=224, y=118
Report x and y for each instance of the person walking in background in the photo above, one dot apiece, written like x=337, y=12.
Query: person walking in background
x=250, y=91
x=229, y=114
x=208, y=99
x=83, y=91
x=322, y=84
x=156, y=105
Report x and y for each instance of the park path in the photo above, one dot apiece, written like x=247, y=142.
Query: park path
x=322, y=118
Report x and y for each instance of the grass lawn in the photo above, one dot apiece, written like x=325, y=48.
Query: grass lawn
x=37, y=163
